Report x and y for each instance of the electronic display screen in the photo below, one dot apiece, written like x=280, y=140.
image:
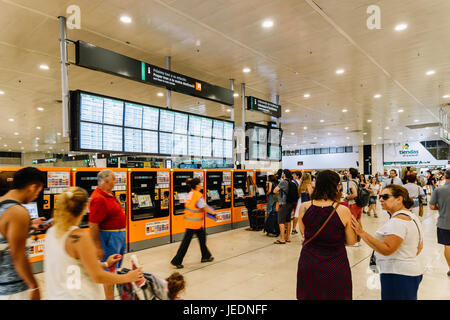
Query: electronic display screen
x=228, y=131
x=112, y=138
x=228, y=149
x=195, y=126
x=166, y=120
x=165, y=143
x=133, y=115
x=206, y=147
x=32, y=209
x=206, y=127
x=180, y=144
x=91, y=108
x=261, y=191
x=217, y=148
x=91, y=136
x=195, y=146
x=262, y=151
x=254, y=136
x=254, y=151
x=150, y=141
x=144, y=201
x=274, y=136
x=150, y=120
x=214, y=194
x=133, y=140
x=274, y=153
x=239, y=193
x=218, y=129
x=113, y=112
x=181, y=197
x=181, y=123
x=262, y=135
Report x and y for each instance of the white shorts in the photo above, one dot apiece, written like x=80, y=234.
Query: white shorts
x=24, y=295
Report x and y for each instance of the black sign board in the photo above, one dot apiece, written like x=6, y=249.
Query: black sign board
x=264, y=106
x=96, y=58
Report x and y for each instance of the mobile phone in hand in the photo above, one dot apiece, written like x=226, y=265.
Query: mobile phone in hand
x=43, y=224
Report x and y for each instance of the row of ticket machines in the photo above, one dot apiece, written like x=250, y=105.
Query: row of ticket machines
x=153, y=200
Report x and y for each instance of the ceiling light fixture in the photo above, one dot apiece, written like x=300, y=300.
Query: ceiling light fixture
x=16, y=133
x=228, y=110
x=39, y=128
x=40, y=109
x=445, y=96
x=401, y=27
x=322, y=121
x=340, y=71
x=369, y=121
x=11, y=120
x=160, y=94
x=236, y=95
x=44, y=67
x=2, y=92
x=267, y=24
x=20, y=142
x=125, y=19
x=431, y=72
x=59, y=133
x=306, y=95
x=287, y=110
x=246, y=70
x=346, y=128
x=400, y=111
x=344, y=110
x=365, y=133
x=305, y=128
x=377, y=96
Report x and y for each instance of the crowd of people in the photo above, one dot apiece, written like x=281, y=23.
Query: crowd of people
x=325, y=206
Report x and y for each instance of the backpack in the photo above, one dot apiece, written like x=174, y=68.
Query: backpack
x=292, y=194
x=362, y=199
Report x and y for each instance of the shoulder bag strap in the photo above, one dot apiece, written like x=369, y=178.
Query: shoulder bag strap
x=323, y=226
x=418, y=230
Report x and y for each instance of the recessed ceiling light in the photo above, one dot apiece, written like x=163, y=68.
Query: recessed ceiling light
x=315, y=138
x=362, y=141
x=44, y=67
x=246, y=70
x=369, y=121
x=340, y=71
x=236, y=95
x=20, y=142
x=40, y=109
x=287, y=110
x=435, y=133
x=160, y=94
x=344, y=110
x=347, y=137
x=16, y=133
x=59, y=133
x=377, y=96
x=400, y=133
x=445, y=96
x=228, y=110
x=5, y=145
x=431, y=72
x=306, y=95
x=400, y=111
x=125, y=19
x=21, y=148
x=401, y=26
x=39, y=128
x=267, y=24
x=2, y=92
x=50, y=147
x=365, y=133
x=387, y=128
x=11, y=120
x=346, y=128
x=37, y=138
x=305, y=128
x=322, y=121
x=379, y=138
x=329, y=133
x=416, y=120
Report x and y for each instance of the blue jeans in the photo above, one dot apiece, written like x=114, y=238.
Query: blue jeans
x=271, y=205
x=399, y=287
x=113, y=243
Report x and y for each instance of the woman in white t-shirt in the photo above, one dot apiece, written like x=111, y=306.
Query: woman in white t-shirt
x=374, y=188
x=397, y=246
x=72, y=270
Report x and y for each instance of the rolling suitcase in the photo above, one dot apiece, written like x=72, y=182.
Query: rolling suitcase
x=271, y=226
x=260, y=217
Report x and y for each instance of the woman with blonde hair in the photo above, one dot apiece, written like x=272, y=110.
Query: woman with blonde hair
x=305, y=190
x=72, y=270
x=251, y=202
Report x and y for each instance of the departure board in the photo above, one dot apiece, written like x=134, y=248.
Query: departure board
x=166, y=120
x=150, y=119
x=217, y=129
x=274, y=136
x=206, y=127
x=274, y=153
x=217, y=148
x=195, y=146
x=228, y=131
x=91, y=108
x=133, y=115
x=195, y=126
x=253, y=151
x=91, y=136
x=180, y=144
x=112, y=138
x=165, y=143
x=254, y=134
x=262, y=135
x=262, y=151
x=133, y=140
x=206, y=147
x=100, y=123
x=113, y=112
x=150, y=142
x=181, y=123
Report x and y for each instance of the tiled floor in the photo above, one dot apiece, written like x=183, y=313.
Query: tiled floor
x=248, y=265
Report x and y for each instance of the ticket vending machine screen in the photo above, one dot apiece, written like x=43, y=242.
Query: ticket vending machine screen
x=32, y=209
x=214, y=195
x=218, y=190
x=261, y=183
x=239, y=185
x=180, y=190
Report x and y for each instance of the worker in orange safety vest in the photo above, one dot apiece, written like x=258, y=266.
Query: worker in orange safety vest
x=194, y=215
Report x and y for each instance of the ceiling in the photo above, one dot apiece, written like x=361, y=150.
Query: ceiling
x=214, y=40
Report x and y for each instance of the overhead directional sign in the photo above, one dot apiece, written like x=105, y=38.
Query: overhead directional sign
x=96, y=58
x=267, y=107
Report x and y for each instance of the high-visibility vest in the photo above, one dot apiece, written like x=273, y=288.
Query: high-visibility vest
x=193, y=216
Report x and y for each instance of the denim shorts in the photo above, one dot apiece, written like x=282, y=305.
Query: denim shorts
x=113, y=243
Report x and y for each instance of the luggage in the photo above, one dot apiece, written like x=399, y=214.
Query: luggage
x=271, y=226
x=260, y=217
x=155, y=288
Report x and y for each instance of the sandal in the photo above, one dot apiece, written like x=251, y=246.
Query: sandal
x=279, y=242
x=288, y=240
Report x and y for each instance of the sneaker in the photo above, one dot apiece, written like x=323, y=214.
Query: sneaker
x=178, y=266
x=208, y=260
x=294, y=232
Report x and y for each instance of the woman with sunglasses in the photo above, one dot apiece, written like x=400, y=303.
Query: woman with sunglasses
x=397, y=246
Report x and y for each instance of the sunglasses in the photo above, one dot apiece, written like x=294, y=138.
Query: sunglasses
x=385, y=196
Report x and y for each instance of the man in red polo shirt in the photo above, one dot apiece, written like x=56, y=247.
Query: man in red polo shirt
x=107, y=222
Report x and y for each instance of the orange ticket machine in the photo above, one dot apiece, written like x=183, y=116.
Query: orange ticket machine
x=180, y=190
x=261, y=180
x=149, y=208
x=57, y=180
x=218, y=191
x=239, y=216
x=86, y=178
